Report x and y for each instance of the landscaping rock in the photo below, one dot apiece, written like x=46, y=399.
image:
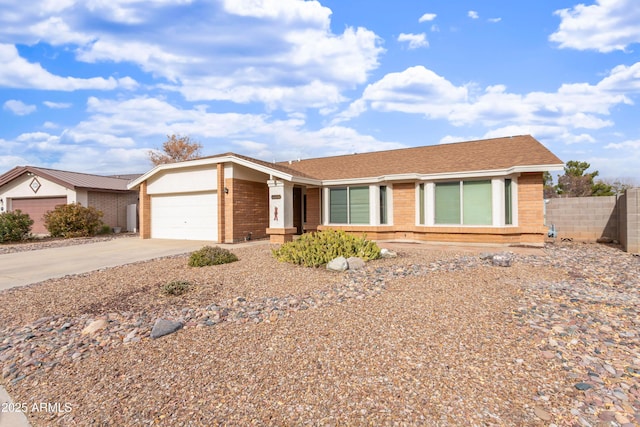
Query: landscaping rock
x=164, y=327
x=355, y=263
x=386, y=253
x=338, y=264
x=502, y=260
x=95, y=326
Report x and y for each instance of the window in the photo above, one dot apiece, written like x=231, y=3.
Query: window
x=349, y=205
x=383, y=204
x=508, y=202
x=421, y=205
x=466, y=202
x=448, y=203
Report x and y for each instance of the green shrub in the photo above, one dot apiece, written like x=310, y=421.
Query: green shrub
x=105, y=229
x=211, y=255
x=15, y=226
x=175, y=288
x=73, y=220
x=316, y=249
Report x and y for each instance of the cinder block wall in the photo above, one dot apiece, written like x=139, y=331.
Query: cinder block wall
x=633, y=220
x=113, y=206
x=584, y=218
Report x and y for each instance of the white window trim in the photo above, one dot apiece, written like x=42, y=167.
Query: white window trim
x=497, y=207
x=374, y=204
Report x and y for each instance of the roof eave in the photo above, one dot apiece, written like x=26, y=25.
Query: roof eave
x=444, y=176
x=223, y=159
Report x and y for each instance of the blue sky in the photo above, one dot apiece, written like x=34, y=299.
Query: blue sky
x=93, y=85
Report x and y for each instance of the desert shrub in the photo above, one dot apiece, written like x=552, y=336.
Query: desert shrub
x=15, y=226
x=316, y=249
x=176, y=287
x=73, y=220
x=211, y=255
x=105, y=229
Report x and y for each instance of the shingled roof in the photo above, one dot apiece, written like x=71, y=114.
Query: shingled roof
x=481, y=155
x=72, y=180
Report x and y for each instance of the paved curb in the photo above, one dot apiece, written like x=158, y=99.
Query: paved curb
x=8, y=416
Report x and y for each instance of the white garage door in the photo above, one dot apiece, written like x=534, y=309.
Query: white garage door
x=185, y=216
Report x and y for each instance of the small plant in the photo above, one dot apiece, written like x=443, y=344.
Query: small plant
x=316, y=249
x=176, y=288
x=73, y=220
x=105, y=229
x=15, y=226
x=211, y=255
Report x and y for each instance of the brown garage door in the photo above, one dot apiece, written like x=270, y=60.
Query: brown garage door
x=36, y=208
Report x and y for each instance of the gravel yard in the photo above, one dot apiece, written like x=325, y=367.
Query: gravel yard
x=434, y=337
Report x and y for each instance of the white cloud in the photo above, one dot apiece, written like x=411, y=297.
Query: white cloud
x=494, y=20
x=564, y=114
x=285, y=54
x=415, y=40
x=473, y=14
x=605, y=26
x=427, y=17
x=19, y=108
x=57, y=105
x=633, y=144
x=16, y=72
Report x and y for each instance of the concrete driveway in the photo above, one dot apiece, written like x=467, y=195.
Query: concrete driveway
x=23, y=268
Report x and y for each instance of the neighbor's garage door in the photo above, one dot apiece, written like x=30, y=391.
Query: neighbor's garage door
x=36, y=208
x=185, y=216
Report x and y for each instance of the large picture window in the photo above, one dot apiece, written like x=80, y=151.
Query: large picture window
x=463, y=202
x=349, y=205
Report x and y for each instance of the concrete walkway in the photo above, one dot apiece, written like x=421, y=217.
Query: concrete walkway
x=23, y=268
x=9, y=416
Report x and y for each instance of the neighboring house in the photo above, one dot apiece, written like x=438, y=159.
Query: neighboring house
x=488, y=191
x=35, y=191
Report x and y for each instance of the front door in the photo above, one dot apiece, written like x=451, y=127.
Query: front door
x=297, y=210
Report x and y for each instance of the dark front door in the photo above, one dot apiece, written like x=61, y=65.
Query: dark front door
x=297, y=209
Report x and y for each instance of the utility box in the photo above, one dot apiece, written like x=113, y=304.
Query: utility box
x=132, y=218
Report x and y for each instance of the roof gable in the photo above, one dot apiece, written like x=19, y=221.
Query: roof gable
x=68, y=179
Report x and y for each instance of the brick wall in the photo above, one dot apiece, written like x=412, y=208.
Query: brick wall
x=221, y=202
x=246, y=210
x=530, y=202
x=144, y=211
x=313, y=209
x=404, y=204
x=113, y=206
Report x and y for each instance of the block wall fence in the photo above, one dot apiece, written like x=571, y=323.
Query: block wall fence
x=591, y=218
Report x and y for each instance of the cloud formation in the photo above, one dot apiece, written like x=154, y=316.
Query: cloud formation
x=605, y=26
x=415, y=40
x=19, y=108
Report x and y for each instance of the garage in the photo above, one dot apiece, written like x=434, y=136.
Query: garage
x=185, y=216
x=36, y=208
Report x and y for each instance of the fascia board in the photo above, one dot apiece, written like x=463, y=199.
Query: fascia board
x=222, y=159
x=443, y=176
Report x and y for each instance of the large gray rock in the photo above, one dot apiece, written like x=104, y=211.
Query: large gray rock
x=164, y=327
x=338, y=264
x=502, y=260
x=355, y=263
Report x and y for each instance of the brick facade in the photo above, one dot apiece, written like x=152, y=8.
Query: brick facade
x=530, y=230
x=314, y=209
x=246, y=210
x=113, y=206
x=144, y=211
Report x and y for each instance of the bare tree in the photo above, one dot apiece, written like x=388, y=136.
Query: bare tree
x=176, y=149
